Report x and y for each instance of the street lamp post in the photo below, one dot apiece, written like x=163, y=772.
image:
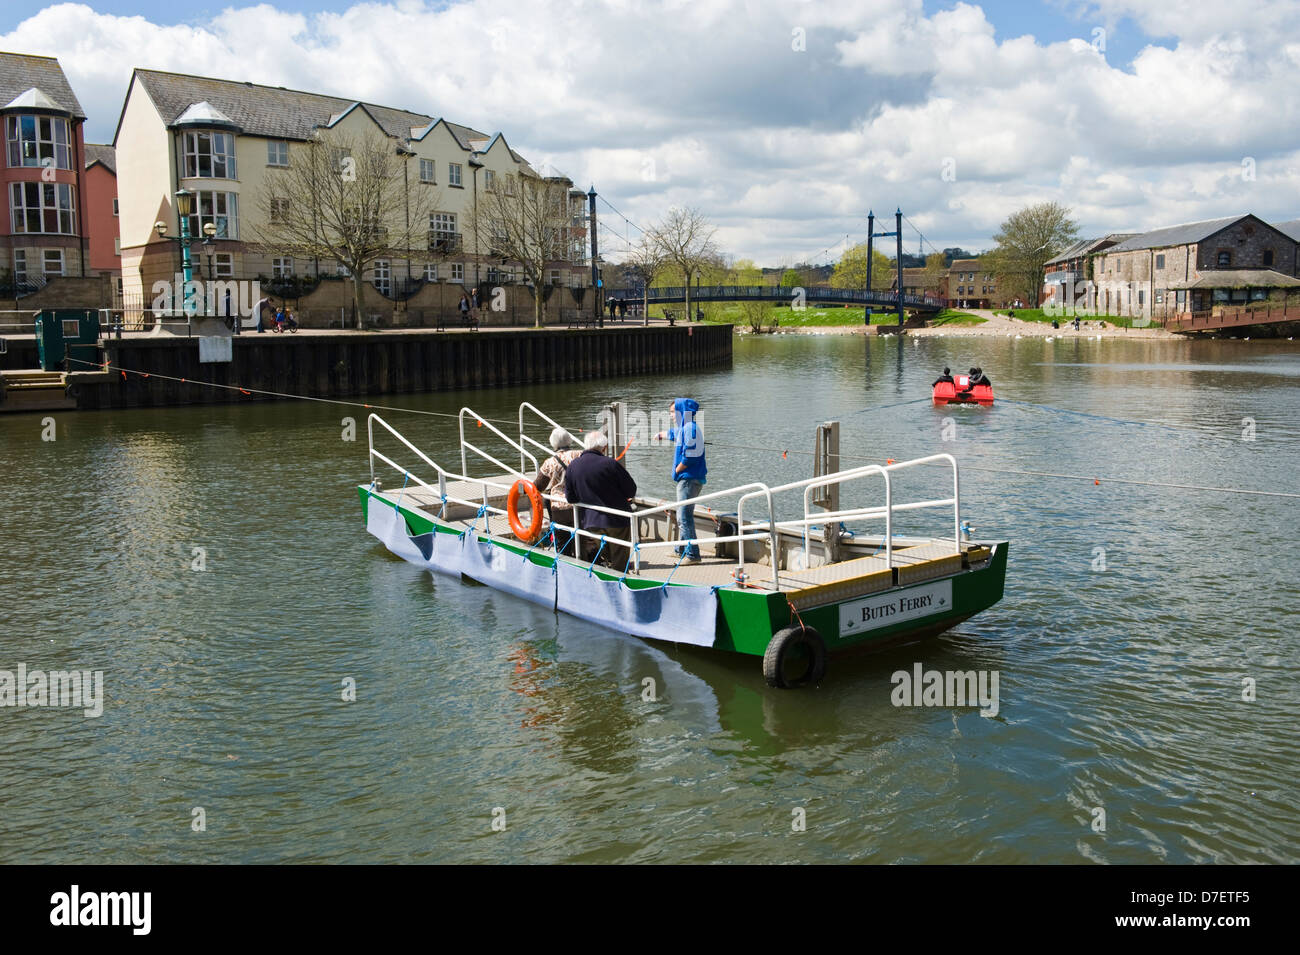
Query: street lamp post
x=184, y=209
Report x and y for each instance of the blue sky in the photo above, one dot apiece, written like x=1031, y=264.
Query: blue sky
x=961, y=113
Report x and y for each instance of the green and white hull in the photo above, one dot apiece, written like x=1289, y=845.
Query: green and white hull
x=867, y=607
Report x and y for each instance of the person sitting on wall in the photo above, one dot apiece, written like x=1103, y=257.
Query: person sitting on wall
x=594, y=477
x=945, y=377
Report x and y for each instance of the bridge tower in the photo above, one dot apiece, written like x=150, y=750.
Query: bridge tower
x=872, y=234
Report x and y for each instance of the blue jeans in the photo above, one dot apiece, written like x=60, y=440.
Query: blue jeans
x=687, y=489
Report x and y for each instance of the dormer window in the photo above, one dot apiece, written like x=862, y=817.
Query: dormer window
x=38, y=141
x=209, y=155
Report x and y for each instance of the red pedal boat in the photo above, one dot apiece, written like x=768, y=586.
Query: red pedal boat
x=960, y=393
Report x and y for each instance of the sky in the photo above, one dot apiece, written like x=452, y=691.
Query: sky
x=783, y=121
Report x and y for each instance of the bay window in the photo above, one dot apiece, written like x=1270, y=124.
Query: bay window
x=35, y=139
x=219, y=208
x=48, y=207
x=209, y=155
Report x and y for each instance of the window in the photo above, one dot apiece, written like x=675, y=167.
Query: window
x=38, y=141
x=453, y=174
x=1259, y=295
x=209, y=155
x=1142, y=297
x=1268, y=256
x=223, y=265
x=282, y=267
x=430, y=271
x=1180, y=298
x=20, y=266
x=1224, y=260
x=489, y=180
x=442, y=231
x=555, y=276
x=427, y=170
x=42, y=207
x=117, y=246
x=277, y=152
x=219, y=208
x=1160, y=298
x=279, y=211
x=115, y=205
x=1160, y=261
x=342, y=270
x=457, y=272
x=383, y=276
x=52, y=262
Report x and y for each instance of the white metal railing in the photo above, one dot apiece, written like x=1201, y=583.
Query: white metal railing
x=769, y=530
x=851, y=515
x=480, y=421
x=525, y=438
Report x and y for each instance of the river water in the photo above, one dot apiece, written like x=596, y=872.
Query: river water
x=1136, y=619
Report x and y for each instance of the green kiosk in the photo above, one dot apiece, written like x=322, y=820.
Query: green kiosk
x=67, y=339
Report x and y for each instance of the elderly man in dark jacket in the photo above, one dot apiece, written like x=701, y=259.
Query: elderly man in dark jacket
x=595, y=478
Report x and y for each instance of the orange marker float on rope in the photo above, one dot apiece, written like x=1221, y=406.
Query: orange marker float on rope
x=529, y=534
x=625, y=447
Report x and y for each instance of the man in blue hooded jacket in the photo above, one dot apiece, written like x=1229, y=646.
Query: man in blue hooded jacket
x=689, y=469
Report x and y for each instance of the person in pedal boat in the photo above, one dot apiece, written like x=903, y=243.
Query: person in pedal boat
x=689, y=469
x=593, y=477
x=946, y=376
x=550, y=480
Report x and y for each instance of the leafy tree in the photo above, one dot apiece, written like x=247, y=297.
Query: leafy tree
x=791, y=279
x=851, y=270
x=745, y=272
x=1025, y=242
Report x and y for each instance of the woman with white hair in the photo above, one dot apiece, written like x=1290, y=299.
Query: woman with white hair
x=550, y=479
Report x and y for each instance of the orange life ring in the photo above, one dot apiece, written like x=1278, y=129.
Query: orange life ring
x=529, y=534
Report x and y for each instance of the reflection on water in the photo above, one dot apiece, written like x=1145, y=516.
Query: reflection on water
x=1119, y=688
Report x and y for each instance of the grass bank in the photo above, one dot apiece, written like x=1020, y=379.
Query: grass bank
x=1038, y=315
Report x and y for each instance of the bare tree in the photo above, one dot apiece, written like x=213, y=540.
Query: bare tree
x=345, y=200
x=526, y=220
x=647, y=260
x=685, y=240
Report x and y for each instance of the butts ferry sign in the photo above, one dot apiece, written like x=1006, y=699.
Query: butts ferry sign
x=885, y=610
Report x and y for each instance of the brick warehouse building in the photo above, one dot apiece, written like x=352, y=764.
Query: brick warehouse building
x=1195, y=267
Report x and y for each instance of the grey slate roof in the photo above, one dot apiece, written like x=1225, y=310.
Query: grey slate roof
x=1291, y=228
x=106, y=155
x=20, y=72
x=273, y=111
x=1088, y=246
x=1175, y=235
x=1073, y=251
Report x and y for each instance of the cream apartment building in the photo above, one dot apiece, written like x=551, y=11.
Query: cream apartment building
x=226, y=141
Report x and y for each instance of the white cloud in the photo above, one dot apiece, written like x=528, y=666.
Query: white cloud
x=709, y=103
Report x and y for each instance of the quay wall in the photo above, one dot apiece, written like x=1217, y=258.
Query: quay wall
x=372, y=363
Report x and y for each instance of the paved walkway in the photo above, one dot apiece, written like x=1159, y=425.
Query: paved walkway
x=999, y=326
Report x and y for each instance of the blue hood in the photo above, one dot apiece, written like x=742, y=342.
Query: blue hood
x=688, y=440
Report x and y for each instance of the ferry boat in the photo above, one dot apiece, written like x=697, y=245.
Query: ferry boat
x=959, y=392
x=790, y=590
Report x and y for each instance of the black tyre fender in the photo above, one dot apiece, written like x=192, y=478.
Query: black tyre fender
x=779, y=648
